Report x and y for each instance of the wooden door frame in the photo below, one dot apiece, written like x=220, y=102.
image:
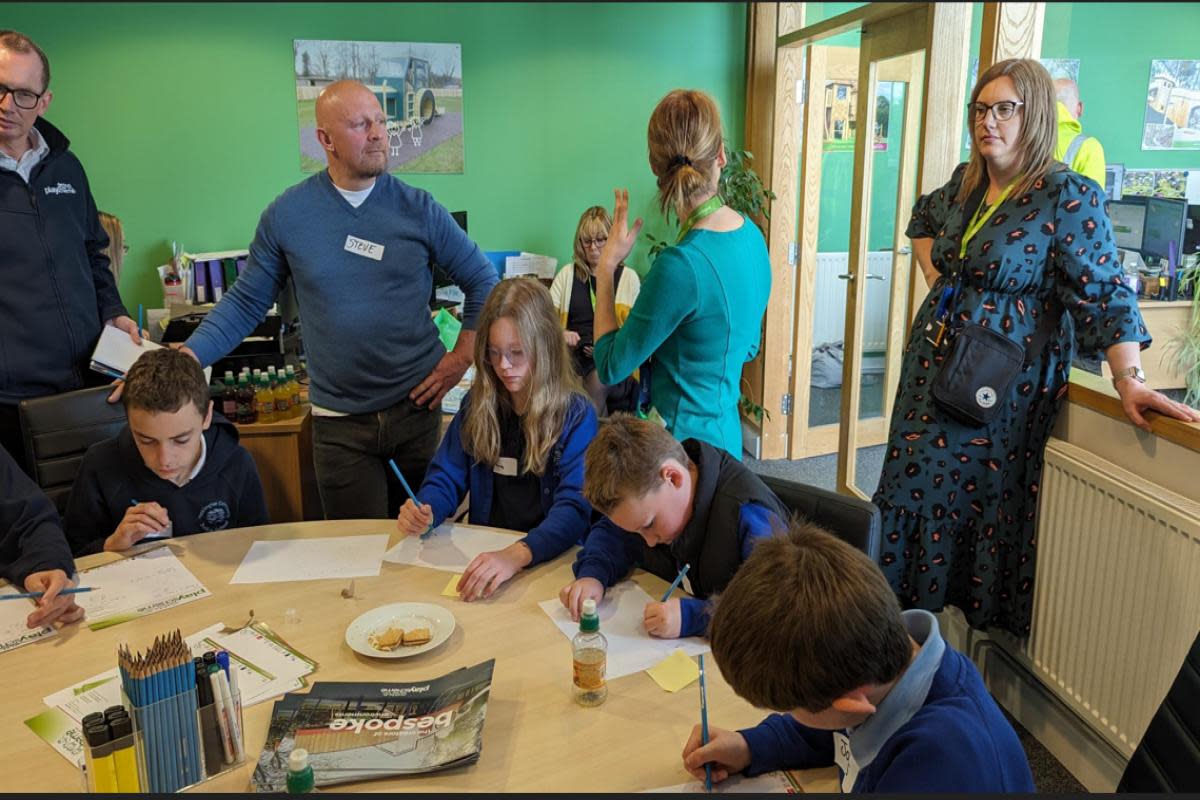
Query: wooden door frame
x=940, y=137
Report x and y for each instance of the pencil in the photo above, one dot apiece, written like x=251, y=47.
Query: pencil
x=36, y=595
x=675, y=583
x=407, y=488
x=704, y=726
x=139, y=319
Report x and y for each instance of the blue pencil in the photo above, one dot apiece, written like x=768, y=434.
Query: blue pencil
x=36, y=595
x=675, y=583
x=139, y=319
x=408, y=489
x=704, y=725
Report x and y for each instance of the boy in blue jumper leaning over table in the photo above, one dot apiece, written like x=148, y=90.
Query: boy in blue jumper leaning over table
x=810, y=627
x=174, y=465
x=667, y=504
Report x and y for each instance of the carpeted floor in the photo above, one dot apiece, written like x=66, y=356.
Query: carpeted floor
x=1049, y=776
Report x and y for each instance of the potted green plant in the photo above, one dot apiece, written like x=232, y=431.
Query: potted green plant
x=1186, y=346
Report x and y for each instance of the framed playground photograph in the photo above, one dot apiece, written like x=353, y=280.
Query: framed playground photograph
x=419, y=88
x=1172, y=117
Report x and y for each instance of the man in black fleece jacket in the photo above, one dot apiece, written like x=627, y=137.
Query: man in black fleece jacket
x=175, y=469
x=33, y=550
x=58, y=290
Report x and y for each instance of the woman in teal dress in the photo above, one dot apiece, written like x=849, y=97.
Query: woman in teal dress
x=959, y=502
x=699, y=314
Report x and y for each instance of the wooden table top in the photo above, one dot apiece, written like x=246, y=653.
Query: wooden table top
x=535, y=739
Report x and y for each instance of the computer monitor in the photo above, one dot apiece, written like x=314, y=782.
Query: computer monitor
x=1165, y=222
x=440, y=277
x=1128, y=221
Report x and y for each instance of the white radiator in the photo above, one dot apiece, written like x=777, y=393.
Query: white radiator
x=829, y=305
x=1117, y=594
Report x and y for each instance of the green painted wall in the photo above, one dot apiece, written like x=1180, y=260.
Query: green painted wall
x=184, y=115
x=1115, y=43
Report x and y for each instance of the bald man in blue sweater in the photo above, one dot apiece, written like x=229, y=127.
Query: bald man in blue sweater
x=359, y=245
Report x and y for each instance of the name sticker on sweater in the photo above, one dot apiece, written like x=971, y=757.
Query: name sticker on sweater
x=506, y=466
x=361, y=247
x=844, y=758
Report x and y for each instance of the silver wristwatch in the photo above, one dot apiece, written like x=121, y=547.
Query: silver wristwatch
x=1129, y=372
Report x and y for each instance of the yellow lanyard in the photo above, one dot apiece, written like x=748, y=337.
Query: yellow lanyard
x=977, y=222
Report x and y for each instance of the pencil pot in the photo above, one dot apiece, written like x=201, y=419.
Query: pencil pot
x=221, y=743
x=168, y=742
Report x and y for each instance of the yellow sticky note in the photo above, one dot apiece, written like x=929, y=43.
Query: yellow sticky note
x=675, y=671
x=451, y=589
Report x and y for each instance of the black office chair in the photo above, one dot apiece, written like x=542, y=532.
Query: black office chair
x=850, y=519
x=59, y=428
x=1167, y=759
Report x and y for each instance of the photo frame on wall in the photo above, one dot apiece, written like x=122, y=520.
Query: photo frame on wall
x=418, y=85
x=1172, y=117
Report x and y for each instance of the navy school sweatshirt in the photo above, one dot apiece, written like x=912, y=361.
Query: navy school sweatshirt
x=225, y=494
x=31, y=536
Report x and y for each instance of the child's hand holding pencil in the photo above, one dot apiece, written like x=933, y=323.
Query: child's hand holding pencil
x=414, y=519
x=727, y=753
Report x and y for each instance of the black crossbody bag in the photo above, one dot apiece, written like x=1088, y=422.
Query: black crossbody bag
x=977, y=376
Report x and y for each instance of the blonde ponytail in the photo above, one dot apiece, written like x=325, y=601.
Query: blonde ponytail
x=684, y=139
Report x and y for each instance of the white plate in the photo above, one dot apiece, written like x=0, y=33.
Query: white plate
x=402, y=615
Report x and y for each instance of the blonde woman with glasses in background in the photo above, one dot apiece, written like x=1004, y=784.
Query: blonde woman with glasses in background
x=574, y=295
x=516, y=444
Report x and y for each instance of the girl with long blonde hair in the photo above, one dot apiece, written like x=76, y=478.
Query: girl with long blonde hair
x=517, y=442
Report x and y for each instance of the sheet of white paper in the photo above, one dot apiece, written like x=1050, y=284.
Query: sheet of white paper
x=771, y=783
x=530, y=264
x=630, y=648
x=265, y=668
x=13, y=614
x=450, y=547
x=116, y=351
x=136, y=586
x=312, y=559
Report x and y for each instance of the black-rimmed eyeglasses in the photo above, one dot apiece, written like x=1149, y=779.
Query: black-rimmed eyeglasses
x=1002, y=110
x=22, y=97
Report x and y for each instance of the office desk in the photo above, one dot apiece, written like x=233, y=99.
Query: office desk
x=282, y=452
x=536, y=739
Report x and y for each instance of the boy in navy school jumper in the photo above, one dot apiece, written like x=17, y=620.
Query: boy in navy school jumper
x=174, y=466
x=687, y=502
x=34, y=554
x=810, y=627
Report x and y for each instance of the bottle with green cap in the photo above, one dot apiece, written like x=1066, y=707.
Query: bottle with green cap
x=300, y=779
x=589, y=650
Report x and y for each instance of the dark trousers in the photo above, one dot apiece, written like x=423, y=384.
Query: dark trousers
x=350, y=456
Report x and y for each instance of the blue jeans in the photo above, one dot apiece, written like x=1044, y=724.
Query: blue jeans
x=350, y=456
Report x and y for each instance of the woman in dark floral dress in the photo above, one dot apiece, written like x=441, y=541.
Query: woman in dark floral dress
x=959, y=502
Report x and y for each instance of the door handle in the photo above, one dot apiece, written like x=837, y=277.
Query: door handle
x=906, y=250
x=847, y=277
x=873, y=277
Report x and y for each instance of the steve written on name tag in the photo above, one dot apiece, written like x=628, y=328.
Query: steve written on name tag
x=361, y=247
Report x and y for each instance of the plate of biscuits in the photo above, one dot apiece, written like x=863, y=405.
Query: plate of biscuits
x=399, y=630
